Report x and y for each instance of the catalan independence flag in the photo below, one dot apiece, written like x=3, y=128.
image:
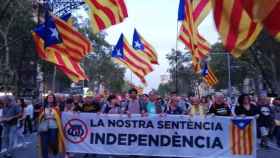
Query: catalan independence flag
x=60, y=44
x=127, y=56
x=208, y=76
x=237, y=30
x=201, y=9
x=105, y=13
x=265, y=12
x=189, y=34
x=140, y=44
x=241, y=137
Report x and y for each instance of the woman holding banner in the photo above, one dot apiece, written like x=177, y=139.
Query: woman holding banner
x=50, y=129
x=245, y=108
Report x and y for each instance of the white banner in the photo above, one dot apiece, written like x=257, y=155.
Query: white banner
x=173, y=136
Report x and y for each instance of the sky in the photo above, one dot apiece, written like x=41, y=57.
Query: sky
x=156, y=21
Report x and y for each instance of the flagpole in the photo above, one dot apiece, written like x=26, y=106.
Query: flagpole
x=176, y=57
x=130, y=76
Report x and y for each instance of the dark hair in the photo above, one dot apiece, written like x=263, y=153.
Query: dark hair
x=54, y=99
x=69, y=101
x=22, y=103
x=132, y=90
x=241, y=98
x=111, y=97
x=145, y=95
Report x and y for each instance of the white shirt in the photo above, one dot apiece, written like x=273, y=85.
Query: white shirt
x=29, y=110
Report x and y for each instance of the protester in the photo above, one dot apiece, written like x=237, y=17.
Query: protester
x=90, y=105
x=11, y=114
x=245, y=108
x=50, y=128
x=28, y=113
x=219, y=107
x=19, y=137
x=151, y=107
x=160, y=103
x=276, y=113
x=205, y=101
x=197, y=109
x=78, y=102
x=133, y=105
x=173, y=108
x=1, y=126
x=113, y=105
x=37, y=110
x=265, y=120
x=61, y=101
x=69, y=105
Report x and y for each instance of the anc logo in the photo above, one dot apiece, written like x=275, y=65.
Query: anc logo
x=75, y=131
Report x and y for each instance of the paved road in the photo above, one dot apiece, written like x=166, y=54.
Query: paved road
x=31, y=150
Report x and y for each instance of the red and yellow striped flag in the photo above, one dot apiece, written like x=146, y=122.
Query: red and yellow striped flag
x=76, y=45
x=67, y=54
x=241, y=137
x=265, y=12
x=126, y=55
x=105, y=13
x=201, y=9
x=237, y=30
x=189, y=34
x=56, y=55
x=208, y=76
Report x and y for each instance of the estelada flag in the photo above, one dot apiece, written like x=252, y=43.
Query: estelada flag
x=59, y=43
x=141, y=45
x=265, y=12
x=241, y=136
x=105, y=13
x=126, y=55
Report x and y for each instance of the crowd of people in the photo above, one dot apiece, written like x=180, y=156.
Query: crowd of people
x=21, y=117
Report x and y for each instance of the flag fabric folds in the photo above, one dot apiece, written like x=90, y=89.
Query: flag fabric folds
x=105, y=13
x=237, y=30
x=208, y=76
x=241, y=137
x=189, y=34
x=201, y=9
x=265, y=12
x=57, y=42
x=126, y=55
x=144, y=47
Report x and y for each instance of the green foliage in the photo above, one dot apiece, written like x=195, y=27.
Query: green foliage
x=185, y=77
x=99, y=66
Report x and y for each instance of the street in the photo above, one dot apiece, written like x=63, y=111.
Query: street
x=31, y=150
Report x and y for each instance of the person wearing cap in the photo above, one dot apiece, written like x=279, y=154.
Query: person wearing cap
x=265, y=120
x=219, y=106
x=90, y=105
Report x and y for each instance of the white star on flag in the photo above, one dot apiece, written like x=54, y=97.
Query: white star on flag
x=54, y=33
x=137, y=44
x=119, y=53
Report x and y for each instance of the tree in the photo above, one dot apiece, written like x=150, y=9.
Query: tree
x=100, y=68
x=259, y=63
x=181, y=71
